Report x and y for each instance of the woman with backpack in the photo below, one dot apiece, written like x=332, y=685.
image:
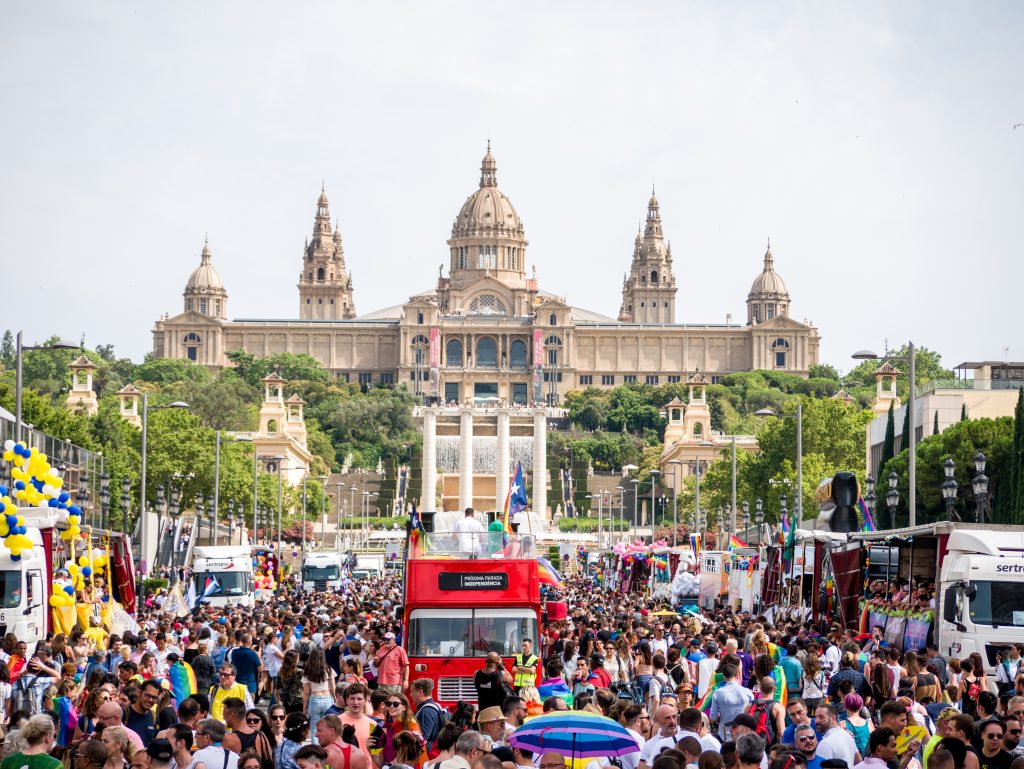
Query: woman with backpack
x=814, y=682
x=289, y=683
x=970, y=688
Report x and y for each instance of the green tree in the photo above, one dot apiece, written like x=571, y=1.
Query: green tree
x=963, y=412
x=823, y=370
x=7, y=350
x=1011, y=504
x=164, y=371
x=935, y=423
x=290, y=366
x=889, y=444
x=905, y=434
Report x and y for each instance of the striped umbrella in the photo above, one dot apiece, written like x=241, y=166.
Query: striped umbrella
x=574, y=734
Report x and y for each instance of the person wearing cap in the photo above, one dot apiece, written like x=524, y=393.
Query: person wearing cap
x=160, y=754
x=491, y=721
x=598, y=675
x=392, y=665
x=729, y=700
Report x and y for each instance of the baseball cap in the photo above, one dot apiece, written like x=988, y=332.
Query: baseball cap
x=390, y=636
x=160, y=750
x=492, y=713
x=744, y=719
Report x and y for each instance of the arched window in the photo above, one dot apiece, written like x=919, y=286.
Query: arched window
x=272, y=427
x=420, y=345
x=320, y=273
x=487, y=304
x=517, y=358
x=698, y=430
x=419, y=318
x=192, y=338
x=780, y=347
x=654, y=276
x=553, y=345
x=552, y=320
x=487, y=352
x=453, y=352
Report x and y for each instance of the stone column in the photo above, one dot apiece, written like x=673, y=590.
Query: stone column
x=540, y=463
x=501, y=471
x=429, y=471
x=465, y=459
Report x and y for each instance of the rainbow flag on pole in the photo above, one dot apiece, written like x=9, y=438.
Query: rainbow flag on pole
x=547, y=573
x=735, y=542
x=515, y=500
x=869, y=522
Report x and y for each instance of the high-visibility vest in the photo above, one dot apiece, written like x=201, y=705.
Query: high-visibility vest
x=525, y=679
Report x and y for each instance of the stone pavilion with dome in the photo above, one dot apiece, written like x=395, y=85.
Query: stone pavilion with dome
x=486, y=332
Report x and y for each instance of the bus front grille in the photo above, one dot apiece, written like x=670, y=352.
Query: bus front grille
x=455, y=688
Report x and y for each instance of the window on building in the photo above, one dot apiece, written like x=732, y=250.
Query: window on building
x=320, y=273
x=586, y=379
x=552, y=320
x=192, y=353
x=674, y=378
x=770, y=312
x=419, y=318
x=453, y=352
x=608, y=379
x=716, y=379
x=550, y=376
x=517, y=356
x=654, y=276
x=641, y=304
x=519, y=392
x=365, y=378
x=487, y=352
x=332, y=301
x=387, y=378
x=202, y=306
x=272, y=427
x=307, y=301
x=628, y=378
x=487, y=304
x=451, y=392
x=780, y=347
x=188, y=304
x=698, y=430
x=651, y=379
x=677, y=414
x=757, y=313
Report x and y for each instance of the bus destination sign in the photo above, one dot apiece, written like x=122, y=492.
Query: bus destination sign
x=462, y=580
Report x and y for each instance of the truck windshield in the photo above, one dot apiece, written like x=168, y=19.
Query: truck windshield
x=10, y=589
x=231, y=583
x=998, y=604
x=469, y=632
x=315, y=573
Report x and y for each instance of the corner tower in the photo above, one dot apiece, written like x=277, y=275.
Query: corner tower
x=649, y=290
x=325, y=287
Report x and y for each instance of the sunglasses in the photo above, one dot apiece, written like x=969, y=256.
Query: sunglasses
x=808, y=738
x=277, y=718
x=253, y=722
x=394, y=704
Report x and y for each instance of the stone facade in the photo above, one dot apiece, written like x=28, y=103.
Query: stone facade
x=486, y=332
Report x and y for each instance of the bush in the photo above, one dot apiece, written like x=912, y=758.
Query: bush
x=589, y=525
x=151, y=584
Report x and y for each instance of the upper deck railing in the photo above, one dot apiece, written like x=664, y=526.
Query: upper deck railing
x=483, y=545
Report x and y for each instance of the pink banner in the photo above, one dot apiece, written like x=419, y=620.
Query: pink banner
x=538, y=348
x=435, y=347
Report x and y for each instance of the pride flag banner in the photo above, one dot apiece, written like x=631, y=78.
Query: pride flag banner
x=548, y=574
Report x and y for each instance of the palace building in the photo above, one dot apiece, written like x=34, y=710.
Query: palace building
x=486, y=332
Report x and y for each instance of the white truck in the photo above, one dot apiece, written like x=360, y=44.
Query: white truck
x=322, y=570
x=25, y=584
x=978, y=570
x=368, y=566
x=223, y=574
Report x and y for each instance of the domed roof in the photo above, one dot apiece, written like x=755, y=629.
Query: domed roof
x=204, y=277
x=487, y=210
x=769, y=282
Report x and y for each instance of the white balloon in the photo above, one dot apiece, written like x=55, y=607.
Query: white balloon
x=48, y=490
x=8, y=445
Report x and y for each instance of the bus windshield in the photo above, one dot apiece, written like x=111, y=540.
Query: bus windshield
x=10, y=588
x=997, y=604
x=315, y=573
x=230, y=582
x=469, y=632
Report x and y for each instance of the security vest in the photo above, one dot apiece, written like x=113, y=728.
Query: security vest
x=525, y=679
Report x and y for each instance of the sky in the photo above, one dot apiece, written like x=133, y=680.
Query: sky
x=874, y=143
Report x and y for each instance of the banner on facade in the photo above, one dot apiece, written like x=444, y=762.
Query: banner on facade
x=538, y=365
x=435, y=362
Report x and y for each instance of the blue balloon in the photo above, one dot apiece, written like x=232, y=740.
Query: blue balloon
x=19, y=485
x=15, y=557
x=52, y=503
x=86, y=571
x=23, y=529
x=3, y=491
x=74, y=510
x=64, y=496
x=70, y=590
x=106, y=598
x=38, y=484
x=12, y=520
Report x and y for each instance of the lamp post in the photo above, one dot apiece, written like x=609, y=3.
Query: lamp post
x=980, y=485
x=654, y=486
x=303, y=514
x=636, y=495
x=82, y=494
x=911, y=427
x=949, y=488
x=870, y=497
x=746, y=517
x=126, y=501
x=758, y=520
x=721, y=523
x=798, y=504
x=200, y=512
x=160, y=507
x=104, y=500
x=622, y=509
x=231, y=527
x=676, y=476
x=323, y=513
x=240, y=521
x=143, y=528
x=19, y=349
x=337, y=528
x=892, y=498
x=175, y=511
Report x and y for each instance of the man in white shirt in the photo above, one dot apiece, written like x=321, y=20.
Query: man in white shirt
x=471, y=533
x=706, y=668
x=835, y=741
x=667, y=719
x=832, y=656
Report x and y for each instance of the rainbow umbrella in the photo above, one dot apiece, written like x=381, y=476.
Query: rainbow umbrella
x=574, y=734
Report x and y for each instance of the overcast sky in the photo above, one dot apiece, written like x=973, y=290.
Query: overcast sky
x=873, y=142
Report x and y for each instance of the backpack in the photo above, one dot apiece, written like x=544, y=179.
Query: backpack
x=443, y=717
x=759, y=709
x=629, y=691
x=25, y=697
x=305, y=649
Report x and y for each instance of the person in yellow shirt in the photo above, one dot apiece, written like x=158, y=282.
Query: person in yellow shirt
x=96, y=633
x=228, y=687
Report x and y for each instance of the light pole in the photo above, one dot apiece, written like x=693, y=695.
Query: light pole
x=949, y=488
x=758, y=520
x=636, y=496
x=980, y=485
x=216, y=482
x=143, y=528
x=654, y=485
x=303, y=514
x=337, y=528
x=798, y=499
x=323, y=514
x=892, y=498
x=126, y=501
x=676, y=477
x=622, y=510
x=746, y=518
x=911, y=427
x=104, y=501
x=696, y=501
x=19, y=349
x=870, y=497
x=240, y=520
x=175, y=512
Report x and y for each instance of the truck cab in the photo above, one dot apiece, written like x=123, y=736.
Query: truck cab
x=25, y=591
x=322, y=571
x=227, y=571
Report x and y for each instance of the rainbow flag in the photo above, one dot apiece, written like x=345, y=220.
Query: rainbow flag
x=547, y=573
x=67, y=720
x=869, y=522
x=704, y=703
x=695, y=545
x=418, y=544
x=735, y=542
x=183, y=681
x=515, y=500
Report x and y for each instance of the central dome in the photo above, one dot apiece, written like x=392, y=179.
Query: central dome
x=487, y=211
x=205, y=276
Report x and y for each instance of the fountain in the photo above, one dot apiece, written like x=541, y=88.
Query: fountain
x=485, y=454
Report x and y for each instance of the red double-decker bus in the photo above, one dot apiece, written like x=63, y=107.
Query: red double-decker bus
x=457, y=610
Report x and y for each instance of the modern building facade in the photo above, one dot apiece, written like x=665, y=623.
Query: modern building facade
x=486, y=332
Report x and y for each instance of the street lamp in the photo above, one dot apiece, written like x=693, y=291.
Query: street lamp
x=143, y=528
x=60, y=344
x=798, y=505
x=758, y=520
x=240, y=522
x=911, y=427
x=323, y=513
x=676, y=477
x=949, y=488
x=654, y=486
x=104, y=500
x=622, y=509
x=783, y=513
x=636, y=495
x=746, y=517
x=82, y=494
x=980, y=485
x=721, y=522
x=892, y=498
x=870, y=497
x=126, y=501
x=175, y=512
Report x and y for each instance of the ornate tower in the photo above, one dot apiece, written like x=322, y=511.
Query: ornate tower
x=649, y=290
x=325, y=287
x=768, y=295
x=204, y=292
x=82, y=398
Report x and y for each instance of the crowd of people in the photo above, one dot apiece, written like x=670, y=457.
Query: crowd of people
x=318, y=680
